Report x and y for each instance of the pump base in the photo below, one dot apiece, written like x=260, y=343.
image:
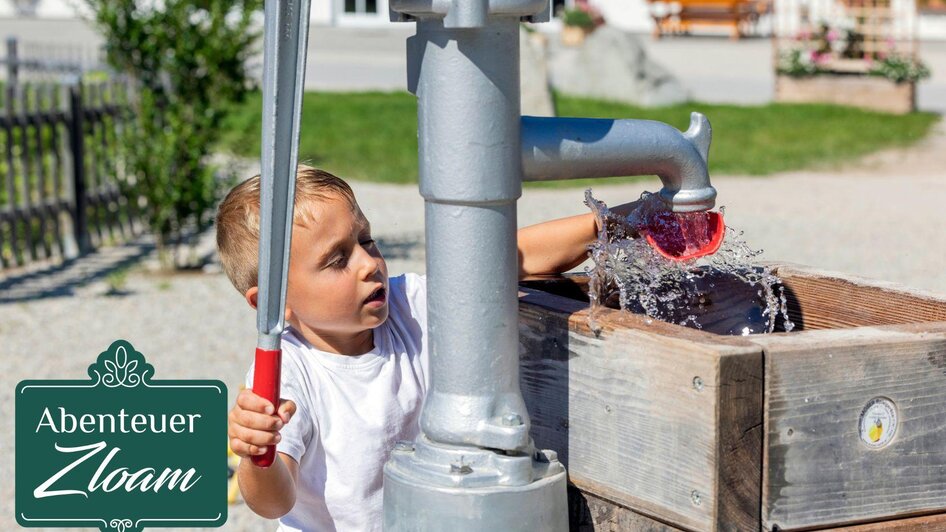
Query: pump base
x=416, y=500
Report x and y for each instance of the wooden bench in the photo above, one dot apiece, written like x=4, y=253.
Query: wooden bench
x=677, y=17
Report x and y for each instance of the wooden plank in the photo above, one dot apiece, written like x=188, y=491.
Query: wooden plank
x=94, y=185
x=48, y=228
x=817, y=471
x=107, y=175
x=634, y=412
x=26, y=192
x=829, y=300
x=17, y=254
x=740, y=410
x=929, y=523
x=590, y=513
x=58, y=213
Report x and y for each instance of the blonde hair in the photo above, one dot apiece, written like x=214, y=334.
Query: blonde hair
x=238, y=219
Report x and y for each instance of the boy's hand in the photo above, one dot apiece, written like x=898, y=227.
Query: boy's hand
x=253, y=423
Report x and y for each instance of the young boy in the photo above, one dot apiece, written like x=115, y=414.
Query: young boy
x=354, y=367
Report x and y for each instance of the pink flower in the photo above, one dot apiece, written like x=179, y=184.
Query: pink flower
x=832, y=35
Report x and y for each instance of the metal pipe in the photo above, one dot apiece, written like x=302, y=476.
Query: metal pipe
x=470, y=177
x=573, y=148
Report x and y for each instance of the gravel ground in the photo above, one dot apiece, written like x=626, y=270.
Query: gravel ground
x=880, y=218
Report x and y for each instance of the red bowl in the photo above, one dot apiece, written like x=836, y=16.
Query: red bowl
x=681, y=236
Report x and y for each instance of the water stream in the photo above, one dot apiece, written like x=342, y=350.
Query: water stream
x=724, y=293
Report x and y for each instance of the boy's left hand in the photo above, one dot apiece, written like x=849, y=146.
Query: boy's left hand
x=254, y=423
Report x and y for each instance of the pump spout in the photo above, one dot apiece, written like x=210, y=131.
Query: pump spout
x=574, y=148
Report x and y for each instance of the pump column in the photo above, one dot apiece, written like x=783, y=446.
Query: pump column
x=470, y=177
x=474, y=467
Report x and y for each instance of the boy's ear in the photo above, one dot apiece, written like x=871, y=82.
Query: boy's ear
x=251, y=296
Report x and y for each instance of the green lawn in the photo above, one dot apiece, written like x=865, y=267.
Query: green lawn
x=373, y=136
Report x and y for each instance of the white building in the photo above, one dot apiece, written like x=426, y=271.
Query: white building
x=630, y=15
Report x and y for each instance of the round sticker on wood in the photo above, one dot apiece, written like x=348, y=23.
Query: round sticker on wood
x=878, y=423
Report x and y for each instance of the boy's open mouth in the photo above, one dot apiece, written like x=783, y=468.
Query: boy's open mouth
x=377, y=296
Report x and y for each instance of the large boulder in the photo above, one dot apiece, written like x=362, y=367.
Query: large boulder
x=534, y=74
x=613, y=65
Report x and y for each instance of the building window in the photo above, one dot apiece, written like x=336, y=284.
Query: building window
x=361, y=6
x=557, y=7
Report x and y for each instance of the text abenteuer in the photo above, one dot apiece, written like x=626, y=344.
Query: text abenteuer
x=126, y=423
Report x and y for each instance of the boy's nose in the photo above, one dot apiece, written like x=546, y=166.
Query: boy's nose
x=371, y=263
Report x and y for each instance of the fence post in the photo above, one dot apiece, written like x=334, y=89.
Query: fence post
x=80, y=224
x=13, y=62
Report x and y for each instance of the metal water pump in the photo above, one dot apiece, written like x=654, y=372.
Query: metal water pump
x=474, y=466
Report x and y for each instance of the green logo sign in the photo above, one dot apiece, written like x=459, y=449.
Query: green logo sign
x=121, y=451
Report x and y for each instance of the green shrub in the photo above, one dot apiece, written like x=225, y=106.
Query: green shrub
x=900, y=69
x=186, y=60
x=578, y=17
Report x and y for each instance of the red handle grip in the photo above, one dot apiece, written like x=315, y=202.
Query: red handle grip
x=266, y=385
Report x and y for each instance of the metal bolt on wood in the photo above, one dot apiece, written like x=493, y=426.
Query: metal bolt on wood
x=696, y=498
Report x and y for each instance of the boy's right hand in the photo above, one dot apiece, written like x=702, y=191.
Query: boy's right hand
x=253, y=423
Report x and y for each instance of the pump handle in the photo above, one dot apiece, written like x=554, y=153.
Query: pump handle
x=266, y=385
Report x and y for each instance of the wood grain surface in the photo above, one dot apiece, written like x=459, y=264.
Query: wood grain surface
x=635, y=412
x=929, y=523
x=828, y=300
x=817, y=472
x=590, y=513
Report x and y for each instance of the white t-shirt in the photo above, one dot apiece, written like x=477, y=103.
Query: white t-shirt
x=350, y=412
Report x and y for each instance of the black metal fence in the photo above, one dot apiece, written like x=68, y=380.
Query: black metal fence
x=60, y=168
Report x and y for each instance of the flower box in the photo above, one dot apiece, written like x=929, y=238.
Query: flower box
x=574, y=35
x=870, y=92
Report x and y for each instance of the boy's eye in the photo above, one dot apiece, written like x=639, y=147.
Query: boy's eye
x=340, y=262
x=367, y=243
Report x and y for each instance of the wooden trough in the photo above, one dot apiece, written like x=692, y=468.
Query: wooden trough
x=840, y=423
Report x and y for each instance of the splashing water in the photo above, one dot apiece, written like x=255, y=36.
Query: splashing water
x=724, y=293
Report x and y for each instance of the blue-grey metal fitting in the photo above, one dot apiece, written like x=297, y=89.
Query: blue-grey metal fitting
x=575, y=148
x=469, y=13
